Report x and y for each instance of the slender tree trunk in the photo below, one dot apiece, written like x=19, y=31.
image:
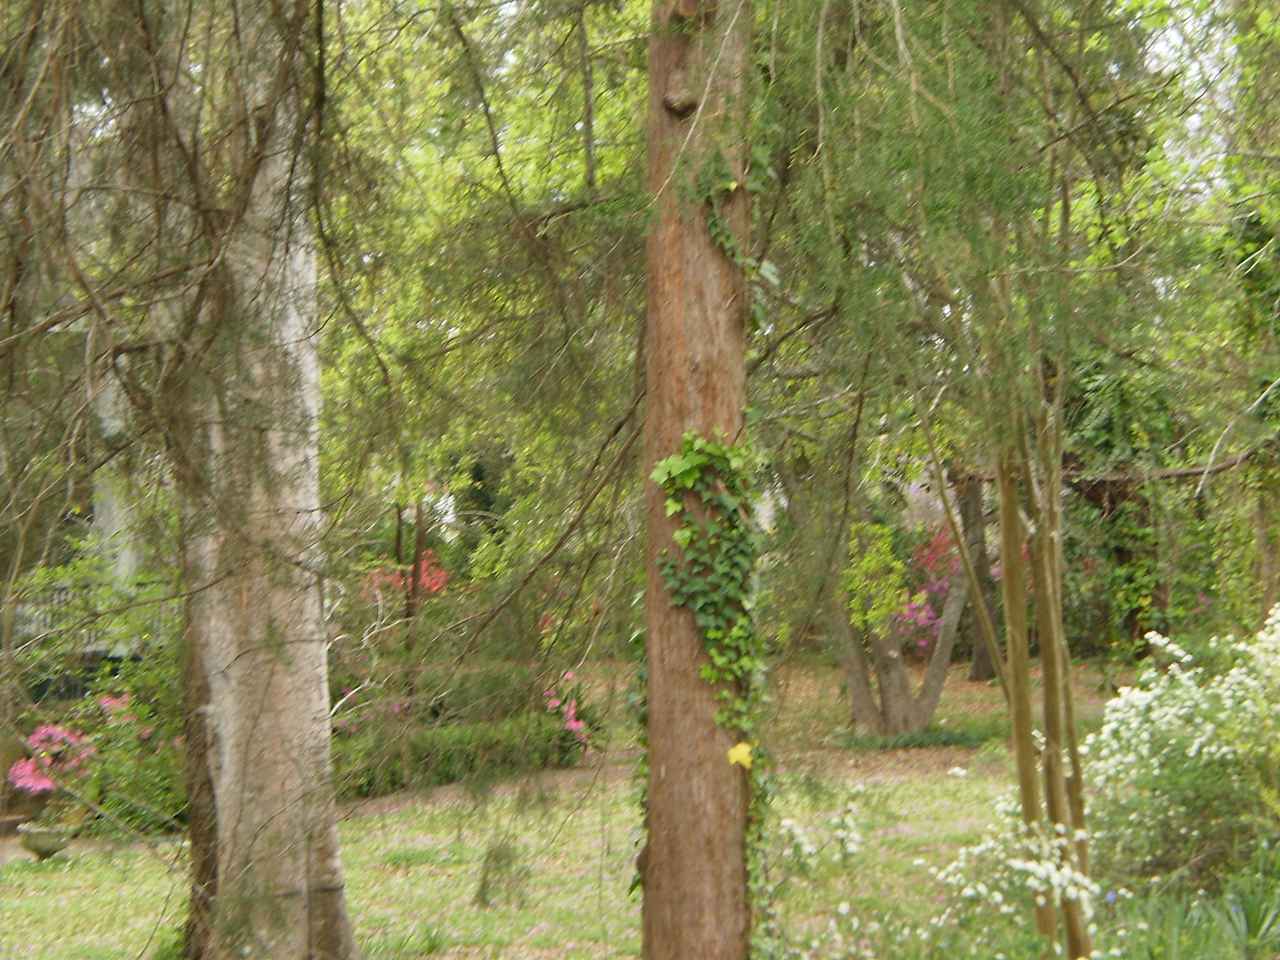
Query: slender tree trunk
x=935, y=675
x=202, y=819
x=973, y=523
x=695, y=867
x=1014, y=584
x=1267, y=536
x=865, y=712
x=413, y=589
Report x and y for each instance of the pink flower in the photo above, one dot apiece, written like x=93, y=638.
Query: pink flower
x=30, y=777
x=553, y=703
x=48, y=736
x=568, y=676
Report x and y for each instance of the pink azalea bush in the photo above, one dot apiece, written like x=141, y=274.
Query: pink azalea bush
x=57, y=755
x=566, y=704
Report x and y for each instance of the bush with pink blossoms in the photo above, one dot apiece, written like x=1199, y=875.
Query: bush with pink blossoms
x=566, y=699
x=56, y=768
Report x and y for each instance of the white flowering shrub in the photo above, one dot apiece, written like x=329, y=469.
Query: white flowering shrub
x=993, y=885
x=1183, y=773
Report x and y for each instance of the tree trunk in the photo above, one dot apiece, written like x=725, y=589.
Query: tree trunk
x=1014, y=585
x=260, y=676
x=935, y=675
x=973, y=523
x=413, y=589
x=1267, y=535
x=695, y=866
x=267, y=877
x=864, y=709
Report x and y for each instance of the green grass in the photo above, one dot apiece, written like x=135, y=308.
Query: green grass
x=970, y=731
x=541, y=866
x=414, y=875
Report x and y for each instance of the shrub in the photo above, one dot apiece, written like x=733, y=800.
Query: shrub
x=447, y=694
x=1184, y=768
x=383, y=757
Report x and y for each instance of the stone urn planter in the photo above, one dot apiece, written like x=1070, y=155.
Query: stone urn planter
x=43, y=840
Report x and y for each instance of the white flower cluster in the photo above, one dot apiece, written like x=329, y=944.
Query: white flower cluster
x=1179, y=768
x=1013, y=866
x=840, y=838
x=845, y=835
x=798, y=848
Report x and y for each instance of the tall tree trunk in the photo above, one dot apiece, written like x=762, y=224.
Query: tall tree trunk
x=260, y=671
x=695, y=867
x=241, y=424
x=413, y=589
x=1018, y=670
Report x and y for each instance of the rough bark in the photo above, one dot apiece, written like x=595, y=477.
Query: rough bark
x=695, y=868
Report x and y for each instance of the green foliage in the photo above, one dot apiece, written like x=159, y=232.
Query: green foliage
x=972, y=733
x=410, y=858
x=446, y=694
x=130, y=704
x=875, y=580
x=426, y=941
x=386, y=756
x=139, y=774
x=706, y=485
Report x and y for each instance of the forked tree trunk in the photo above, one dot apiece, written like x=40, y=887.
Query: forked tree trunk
x=893, y=704
x=695, y=868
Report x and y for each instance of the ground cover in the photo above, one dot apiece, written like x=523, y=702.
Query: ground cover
x=542, y=866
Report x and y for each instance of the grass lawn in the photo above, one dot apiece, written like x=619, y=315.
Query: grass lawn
x=542, y=867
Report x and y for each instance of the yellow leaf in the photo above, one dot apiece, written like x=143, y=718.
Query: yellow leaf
x=740, y=753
